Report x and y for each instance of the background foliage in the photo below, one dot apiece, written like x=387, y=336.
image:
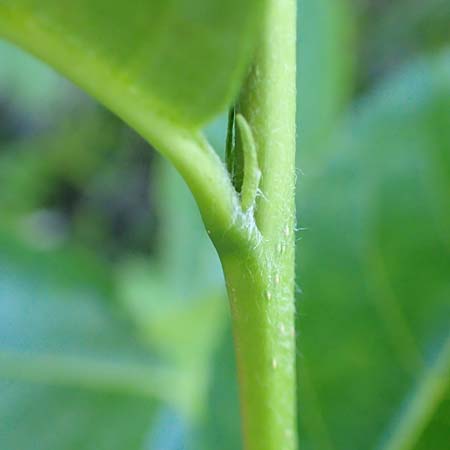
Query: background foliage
x=114, y=328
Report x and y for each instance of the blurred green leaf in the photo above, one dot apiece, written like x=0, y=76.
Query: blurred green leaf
x=54, y=418
x=221, y=429
x=325, y=72
x=396, y=32
x=66, y=350
x=374, y=268
x=156, y=49
x=183, y=331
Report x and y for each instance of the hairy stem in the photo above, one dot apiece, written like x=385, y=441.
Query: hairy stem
x=263, y=325
x=260, y=280
x=268, y=103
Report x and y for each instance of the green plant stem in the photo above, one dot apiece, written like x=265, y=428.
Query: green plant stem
x=260, y=280
x=264, y=333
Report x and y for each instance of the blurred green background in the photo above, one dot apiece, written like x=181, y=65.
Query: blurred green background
x=114, y=326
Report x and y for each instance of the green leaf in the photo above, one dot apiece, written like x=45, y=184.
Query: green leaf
x=374, y=317
x=72, y=369
x=325, y=72
x=222, y=427
x=387, y=45
x=55, y=418
x=182, y=59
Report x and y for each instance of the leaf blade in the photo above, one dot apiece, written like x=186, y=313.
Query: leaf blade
x=157, y=49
